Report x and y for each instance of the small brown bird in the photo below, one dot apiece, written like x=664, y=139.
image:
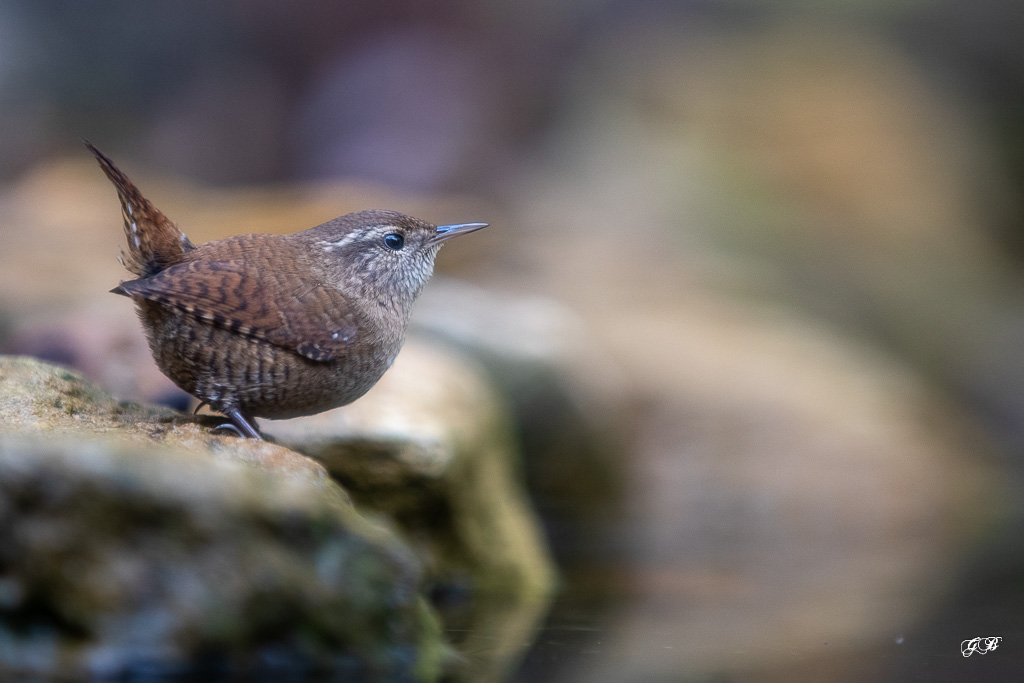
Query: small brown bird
x=276, y=326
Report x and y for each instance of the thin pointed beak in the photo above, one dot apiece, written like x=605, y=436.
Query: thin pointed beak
x=448, y=231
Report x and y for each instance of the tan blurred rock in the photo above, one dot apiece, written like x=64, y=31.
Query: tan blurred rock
x=789, y=488
x=431, y=447
x=571, y=400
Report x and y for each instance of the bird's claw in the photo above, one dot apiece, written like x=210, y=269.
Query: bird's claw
x=229, y=427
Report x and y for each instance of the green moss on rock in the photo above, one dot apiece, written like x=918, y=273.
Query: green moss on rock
x=130, y=536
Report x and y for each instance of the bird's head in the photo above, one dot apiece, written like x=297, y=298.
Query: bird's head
x=381, y=255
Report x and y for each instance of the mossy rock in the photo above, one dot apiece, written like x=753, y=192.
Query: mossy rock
x=130, y=537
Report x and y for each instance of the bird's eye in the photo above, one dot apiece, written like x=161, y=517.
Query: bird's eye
x=394, y=241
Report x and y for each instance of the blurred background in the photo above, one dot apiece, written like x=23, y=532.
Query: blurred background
x=766, y=258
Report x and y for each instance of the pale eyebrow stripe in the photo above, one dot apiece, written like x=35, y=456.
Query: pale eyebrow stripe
x=351, y=237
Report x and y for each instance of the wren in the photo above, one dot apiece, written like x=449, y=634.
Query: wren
x=275, y=326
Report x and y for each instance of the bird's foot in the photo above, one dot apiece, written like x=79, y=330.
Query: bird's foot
x=240, y=425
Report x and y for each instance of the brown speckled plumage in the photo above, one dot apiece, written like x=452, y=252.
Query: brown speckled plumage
x=276, y=326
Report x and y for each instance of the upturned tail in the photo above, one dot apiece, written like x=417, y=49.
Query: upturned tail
x=154, y=242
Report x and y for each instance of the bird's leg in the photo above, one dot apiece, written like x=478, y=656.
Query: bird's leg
x=200, y=407
x=240, y=424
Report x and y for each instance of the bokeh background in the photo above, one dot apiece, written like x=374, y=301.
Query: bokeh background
x=767, y=254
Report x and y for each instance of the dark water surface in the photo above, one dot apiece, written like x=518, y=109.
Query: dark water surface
x=580, y=640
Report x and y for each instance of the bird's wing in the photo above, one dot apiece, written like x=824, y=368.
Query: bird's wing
x=314, y=321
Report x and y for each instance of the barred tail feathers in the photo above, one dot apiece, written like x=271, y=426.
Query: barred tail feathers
x=154, y=242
